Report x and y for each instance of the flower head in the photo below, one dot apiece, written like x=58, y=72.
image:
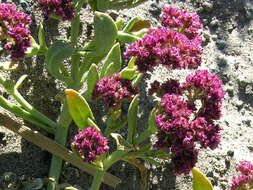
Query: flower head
x=208, y=88
x=184, y=21
x=114, y=89
x=59, y=8
x=166, y=47
x=13, y=30
x=90, y=144
x=245, y=180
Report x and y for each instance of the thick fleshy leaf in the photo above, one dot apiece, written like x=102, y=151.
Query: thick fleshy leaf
x=79, y=109
x=122, y=144
x=128, y=73
x=105, y=33
x=140, y=33
x=126, y=37
x=92, y=79
x=42, y=41
x=200, y=181
x=33, y=50
x=102, y=5
x=132, y=119
x=139, y=25
x=114, y=56
x=59, y=51
x=130, y=24
x=151, y=121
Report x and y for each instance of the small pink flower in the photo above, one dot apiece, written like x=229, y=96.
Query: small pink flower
x=114, y=90
x=90, y=144
x=60, y=8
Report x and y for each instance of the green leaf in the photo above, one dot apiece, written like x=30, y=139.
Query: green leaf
x=200, y=181
x=140, y=33
x=132, y=119
x=122, y=144
x=92, y=79
x=102, y=5
x=128, y=73
x=130, y=24
x=79, y=109
x=151, y=121
x=59, y=51
x=42, y=47
x=114, y=56
x=139, y=25
x=33, y=50
x=126, y=37
x=119, y=24
x=105, y=33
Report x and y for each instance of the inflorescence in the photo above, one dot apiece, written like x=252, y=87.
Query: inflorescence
x=90, y=144
x=245, y=180
x=175, y=49
x=114, y=90
x=14, y=34
x=180, y=124
x=59, y=8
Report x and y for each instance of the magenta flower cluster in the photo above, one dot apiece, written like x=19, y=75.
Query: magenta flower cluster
x=114, y=89
x=14, y=34
x=207, y=88
x=60, y=8
x=167, y=47
x=180, y=124
x=245, y=180
x=183, y=21
x=90, y=144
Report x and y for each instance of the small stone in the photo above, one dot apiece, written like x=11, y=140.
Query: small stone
x=214, y=22
x=9, y=177
x=230, y=91
x=208, y=7
x=230, y=153
x=209, y=172
x=221, y=44
x=247, y=122
x=207, y=36
x=224, y=184
x=249, y=89
x=222, y=62
x=205, y=21
x=155, y=9
x=250, y=30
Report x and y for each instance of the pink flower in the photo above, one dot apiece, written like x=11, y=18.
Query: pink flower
x=245, y=180
x=14, y=35
x=167, y=47
x=187, y=23
x=60, y=8
x=90, y=144
x=114, y=90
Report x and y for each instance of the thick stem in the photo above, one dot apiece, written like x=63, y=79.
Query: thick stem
x=10, y=88
x=97, y=180
x=24, y=114
x=60, y=138
x=143, y=136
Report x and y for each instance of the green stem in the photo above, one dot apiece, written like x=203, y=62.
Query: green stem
x=60, y=138
x=14, y=92
x=97, y=180
x=125, y=4
x=144, y=135
x=24, y=114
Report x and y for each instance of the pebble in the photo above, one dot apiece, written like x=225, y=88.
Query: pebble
x=230, y=91
x=207, y=36
x=249, y=89
x=9, y=177
x=214, y=22
x=250, y=30
x=224, y=184
x=247, y=122
x=230, y=153
x=221, y=44
x=208, y=7
x=155, y=9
